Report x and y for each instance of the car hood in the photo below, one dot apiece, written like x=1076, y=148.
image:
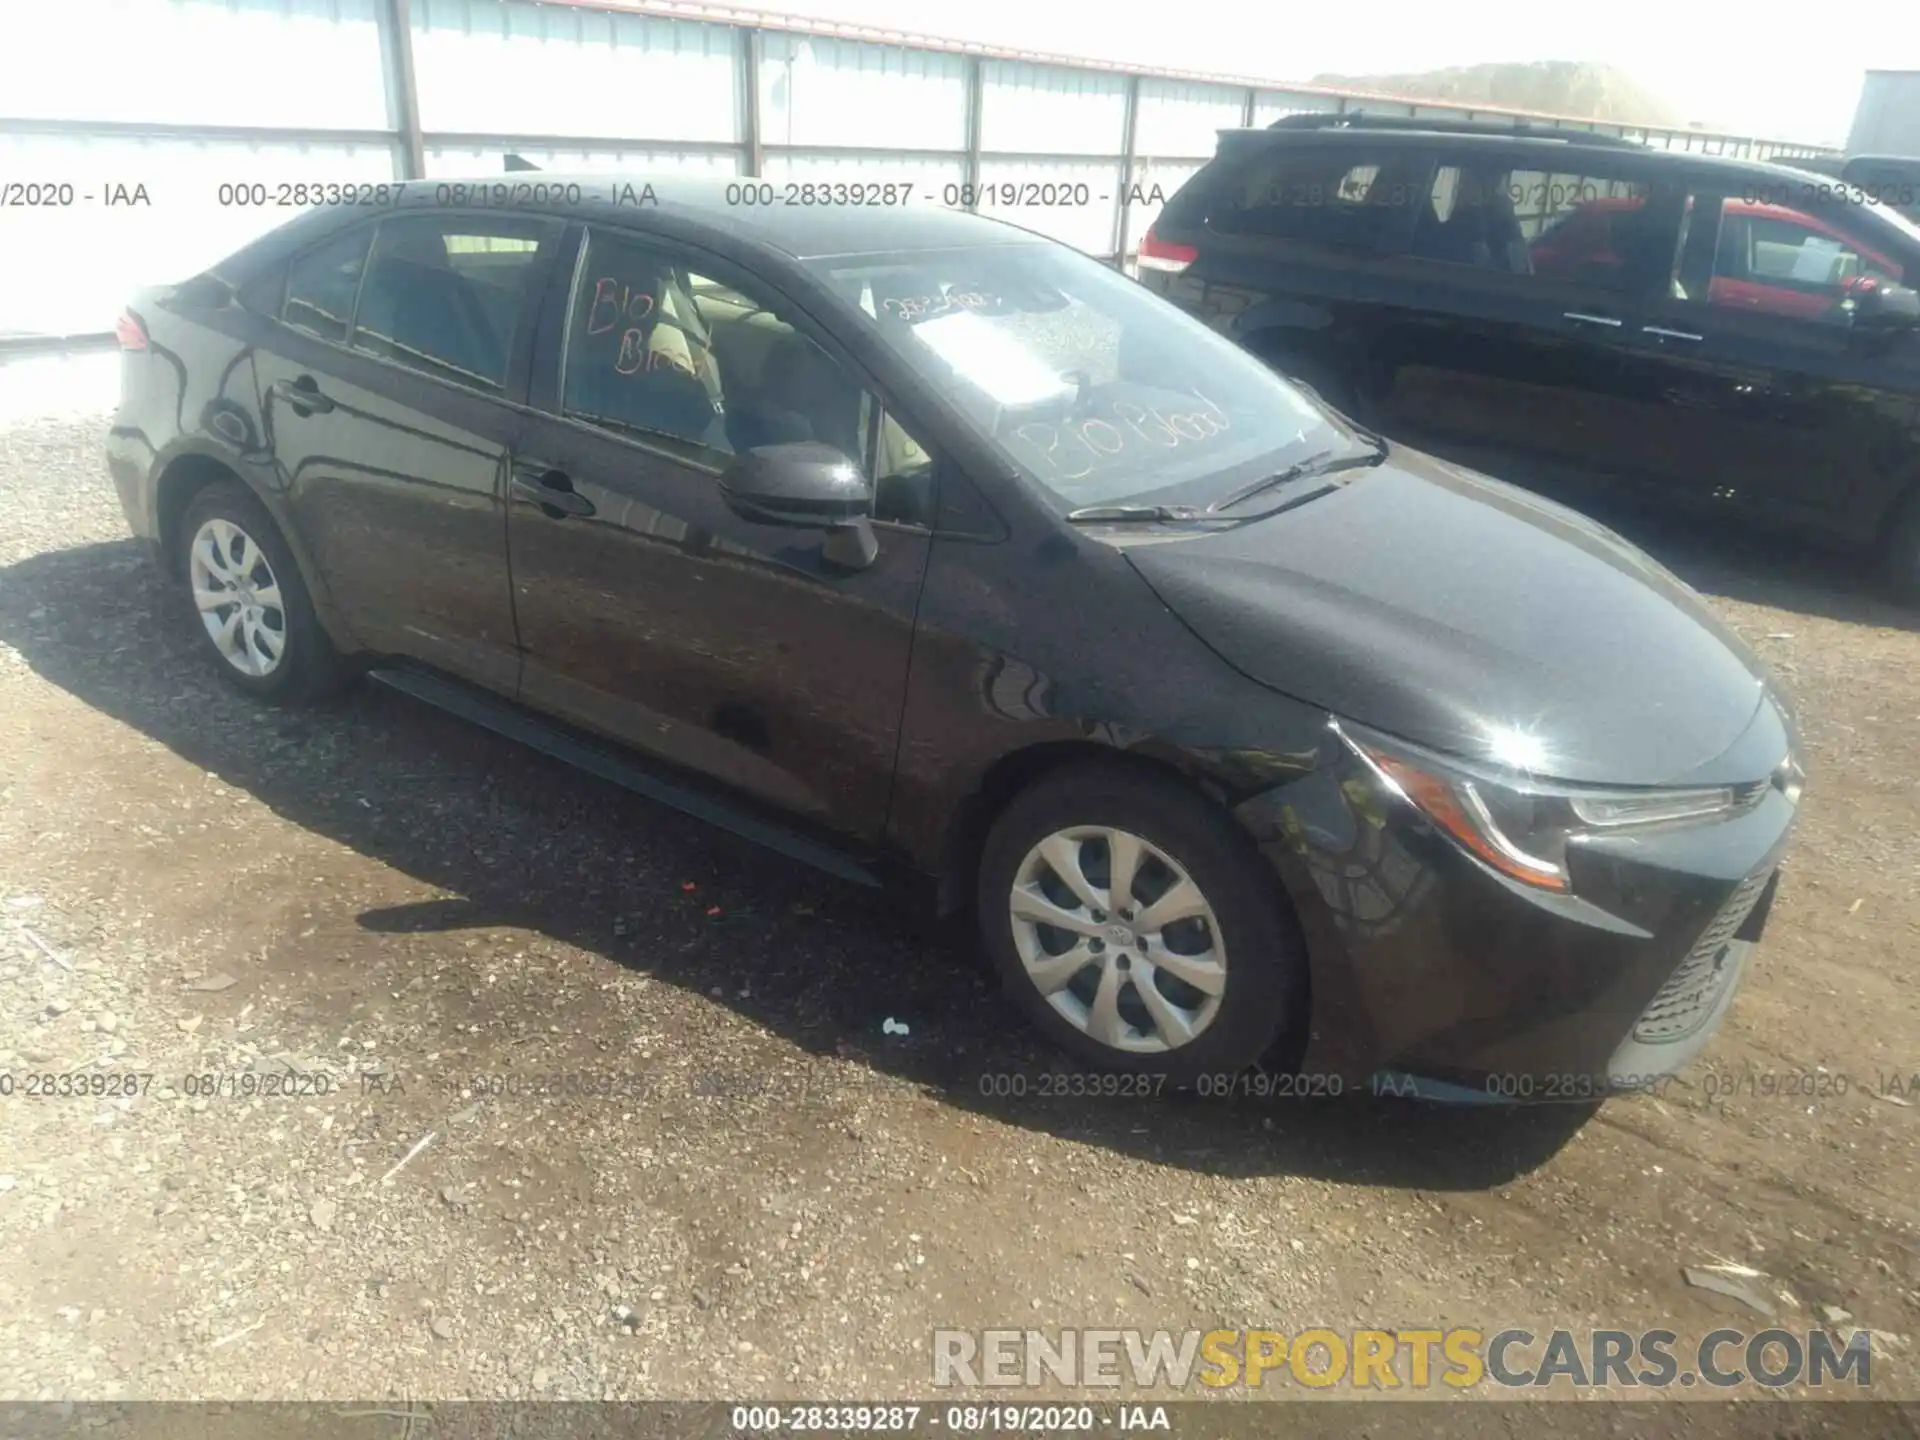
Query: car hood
x=1450, y=609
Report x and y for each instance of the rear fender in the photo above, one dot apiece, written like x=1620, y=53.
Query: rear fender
x=223, y=449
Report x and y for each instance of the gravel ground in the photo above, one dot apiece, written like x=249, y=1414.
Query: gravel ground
x=777, y=1198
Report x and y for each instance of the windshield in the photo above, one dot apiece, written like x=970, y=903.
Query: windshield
x=1095, y=389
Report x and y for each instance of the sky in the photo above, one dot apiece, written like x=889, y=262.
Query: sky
x=1753, y=69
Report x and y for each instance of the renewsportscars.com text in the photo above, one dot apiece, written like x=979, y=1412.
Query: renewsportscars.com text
x=1414, y=1359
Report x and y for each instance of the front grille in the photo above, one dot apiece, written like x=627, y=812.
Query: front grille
x=1695, y=987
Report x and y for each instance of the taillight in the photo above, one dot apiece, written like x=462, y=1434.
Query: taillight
x=1158, y=254
x=131, y=334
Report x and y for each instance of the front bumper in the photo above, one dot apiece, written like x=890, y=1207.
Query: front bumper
x=1432, y=975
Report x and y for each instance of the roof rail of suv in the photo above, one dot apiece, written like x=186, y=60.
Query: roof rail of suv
x=1361, y=120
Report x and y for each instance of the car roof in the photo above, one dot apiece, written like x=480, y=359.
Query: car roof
x=1563, y=143
x=801, y=230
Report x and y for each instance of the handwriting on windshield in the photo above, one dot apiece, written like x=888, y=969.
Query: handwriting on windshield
x=1073, y=449
x=925, y=307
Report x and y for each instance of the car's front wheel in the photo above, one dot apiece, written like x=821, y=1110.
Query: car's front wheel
x=1133, y=923
x=250, y=605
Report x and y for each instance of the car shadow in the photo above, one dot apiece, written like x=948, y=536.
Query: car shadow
x=1714, y=556
x=521, y=840
x=1763, y=569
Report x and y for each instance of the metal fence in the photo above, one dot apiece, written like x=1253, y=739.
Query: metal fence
x=140, y=140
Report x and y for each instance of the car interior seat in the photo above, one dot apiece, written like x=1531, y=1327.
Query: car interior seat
x=1483, y=230
x=418, y=308
x=802, y=395
x=1645, y=250
x=646, y=370
x=1506, y=243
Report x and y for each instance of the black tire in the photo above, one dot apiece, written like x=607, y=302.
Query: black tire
x=1900, y=563
x=1265, y=991
x=308, y=667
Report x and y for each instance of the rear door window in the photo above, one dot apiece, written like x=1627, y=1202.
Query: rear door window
x=445, y=296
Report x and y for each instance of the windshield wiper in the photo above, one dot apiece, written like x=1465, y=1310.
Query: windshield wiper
x=1321, y=462
x=1090, y=513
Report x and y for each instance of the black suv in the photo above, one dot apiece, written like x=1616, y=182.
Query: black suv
x=1572, y=311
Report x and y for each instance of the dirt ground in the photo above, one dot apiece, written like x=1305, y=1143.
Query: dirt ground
x=778, y=1198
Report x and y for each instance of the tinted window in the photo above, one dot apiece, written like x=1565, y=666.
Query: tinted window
x=322, y=283
x=1807, y=264
x=265, y=293
x=1088, y=385
x=1341, y=197
x=445, y=296
x=1570, y=226
x=657, y=351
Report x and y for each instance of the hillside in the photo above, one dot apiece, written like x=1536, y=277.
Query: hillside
x=1564, y=87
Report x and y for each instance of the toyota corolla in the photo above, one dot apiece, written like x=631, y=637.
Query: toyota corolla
x=912, y=544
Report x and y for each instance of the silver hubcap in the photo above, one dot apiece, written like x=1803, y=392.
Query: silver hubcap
x=238, y=597
x=1118, y=938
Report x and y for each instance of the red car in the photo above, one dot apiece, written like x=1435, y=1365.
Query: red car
x=1769, y=257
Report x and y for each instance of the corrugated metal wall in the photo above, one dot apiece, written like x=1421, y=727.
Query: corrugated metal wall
x=161, y=94
x=486, y=68
x=219, y=107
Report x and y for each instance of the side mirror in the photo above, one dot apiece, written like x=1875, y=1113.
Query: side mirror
x=806, y=485
x=1885, y=309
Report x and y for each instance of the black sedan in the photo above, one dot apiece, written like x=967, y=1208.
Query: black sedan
x=912, y=544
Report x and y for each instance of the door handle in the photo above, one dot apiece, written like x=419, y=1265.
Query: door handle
x=553, y=492
x=1666, y=334
x=302, y=395
x=1580, y=317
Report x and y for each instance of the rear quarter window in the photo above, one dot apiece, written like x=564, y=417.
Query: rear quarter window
x=322, y=284
x=265, y=292
x=1348, y=198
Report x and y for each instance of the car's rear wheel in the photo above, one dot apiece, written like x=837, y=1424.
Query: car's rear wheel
x=251, y=608
x=1133, y=923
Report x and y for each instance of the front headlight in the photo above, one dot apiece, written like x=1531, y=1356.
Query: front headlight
x=1519, y=824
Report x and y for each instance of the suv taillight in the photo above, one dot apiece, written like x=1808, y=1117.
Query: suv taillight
x=1158, y=254
x=128, y=330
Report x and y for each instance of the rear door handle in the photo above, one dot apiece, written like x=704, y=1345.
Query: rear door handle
x=1580, y=317
x=552, y=491
x=302, y=395
x=1665, y=334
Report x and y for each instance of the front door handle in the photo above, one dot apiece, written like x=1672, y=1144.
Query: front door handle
x=1581, y=317
x=552, y=491
x=1665, y=334
x=302, y=395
